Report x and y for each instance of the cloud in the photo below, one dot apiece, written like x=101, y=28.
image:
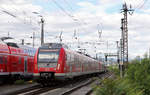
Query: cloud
x=85, y=20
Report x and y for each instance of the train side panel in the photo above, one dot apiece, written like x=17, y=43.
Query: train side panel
x=77, y=64
x=4, y=57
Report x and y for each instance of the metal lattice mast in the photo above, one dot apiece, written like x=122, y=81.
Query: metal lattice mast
x=125, y=12
x=122, y=42
x=124, y=38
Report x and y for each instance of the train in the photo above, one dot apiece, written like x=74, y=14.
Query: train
x=16, y=61
x=55, y=61
x=48, y=63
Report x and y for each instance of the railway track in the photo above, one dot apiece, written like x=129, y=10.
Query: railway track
x=24, y=90
x=76, y=85
x=85, y=89
x=38, y=91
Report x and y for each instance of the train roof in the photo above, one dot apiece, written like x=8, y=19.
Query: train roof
x=11, y=42
x=60, y=45
x=54, y=45
x=5, y=38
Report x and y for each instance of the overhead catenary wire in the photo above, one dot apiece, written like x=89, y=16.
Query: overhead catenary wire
x=69, y=5
x=81, y=20
x=71, y=9
x=63, y=9
x=138, y=5
x=31, y=26
x=142, y=5
x=12, y=15
x=4, y=10
x=69, y=15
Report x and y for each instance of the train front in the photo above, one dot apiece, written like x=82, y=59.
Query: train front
x=48, y=61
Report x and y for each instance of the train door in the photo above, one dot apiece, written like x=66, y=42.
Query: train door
x=69, y=64
x=25, y=65
x=14, y=64
x=2, y=64
x=70, y=69
x=5, y=63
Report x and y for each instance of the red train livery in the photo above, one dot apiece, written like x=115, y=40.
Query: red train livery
x=55, y=61
x=16, y=61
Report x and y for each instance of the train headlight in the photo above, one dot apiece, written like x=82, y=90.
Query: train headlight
x=58, y=66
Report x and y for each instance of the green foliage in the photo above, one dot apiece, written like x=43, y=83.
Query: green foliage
x=115, y=70
x=139, y=75
x=135, y=82
x=107, y=87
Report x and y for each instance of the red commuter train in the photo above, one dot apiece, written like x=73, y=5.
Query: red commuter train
x=16, y=61
x=55, y=61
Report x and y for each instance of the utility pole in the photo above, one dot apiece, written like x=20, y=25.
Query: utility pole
x=8, y=34
x=22, y=41
x=121, y=58
x=118, y=60
x=149, y=53
x=124, y=28
x=60, y=37
x=42, y=31
x=33, y=38
x=121, y=65
x=42, y=27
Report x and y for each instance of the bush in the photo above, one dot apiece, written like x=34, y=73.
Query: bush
x=135, y=82
x=139, y=75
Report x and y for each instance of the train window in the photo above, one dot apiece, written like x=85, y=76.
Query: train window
x=5, y=59
x=12, y=44
x=19, y=60
x=1, y=60
x=25, y=64
x=66, y=57
x=48, y=56
x=72, y=58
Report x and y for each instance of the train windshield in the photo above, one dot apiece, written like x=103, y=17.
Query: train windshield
x=48, y=56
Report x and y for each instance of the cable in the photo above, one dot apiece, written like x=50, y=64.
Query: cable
x=62, y=9
x=69, y=5
x=71, y=8
x=68, y=14
x=138, y=6
x=24, y=13
x=142, y=4
x=14, y=16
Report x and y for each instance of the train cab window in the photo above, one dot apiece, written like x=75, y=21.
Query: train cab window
x=12, y=45
x=48, y=56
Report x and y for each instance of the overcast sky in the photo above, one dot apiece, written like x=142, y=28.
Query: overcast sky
x=85, y=17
